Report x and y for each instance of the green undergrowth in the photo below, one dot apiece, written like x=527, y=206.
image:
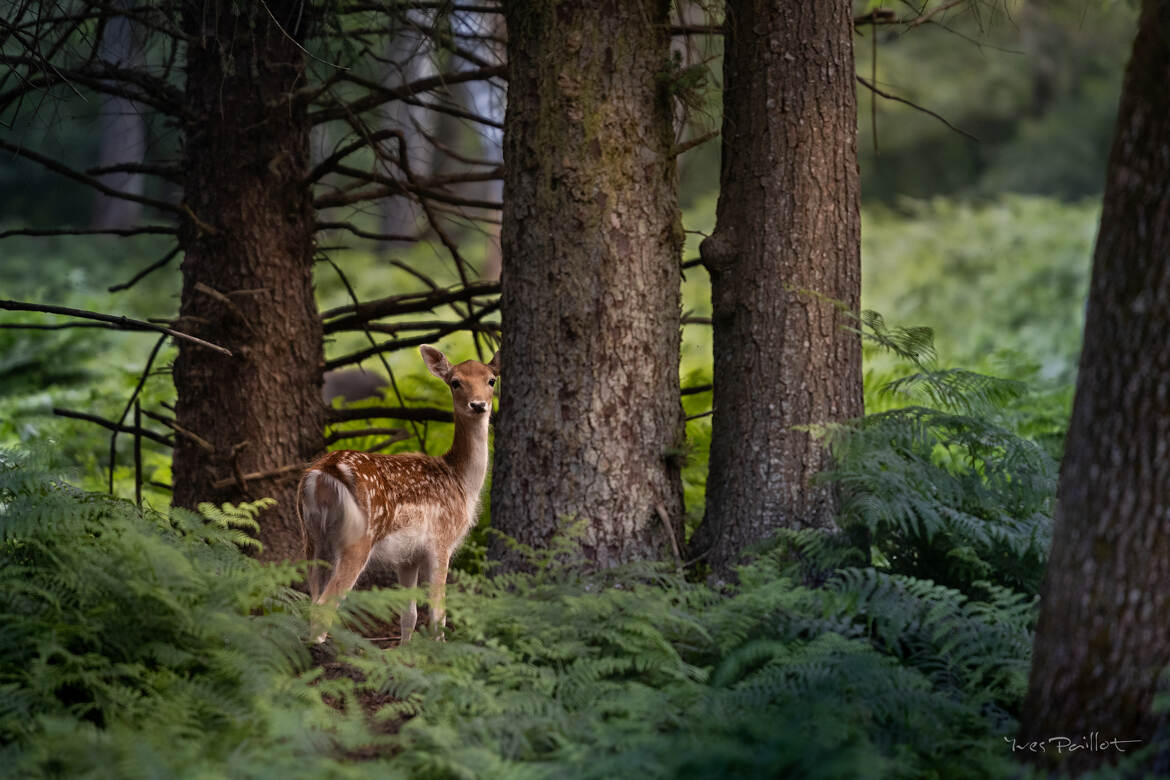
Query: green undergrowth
x=138, y=644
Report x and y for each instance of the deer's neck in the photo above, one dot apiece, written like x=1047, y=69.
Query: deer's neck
x=468, y=456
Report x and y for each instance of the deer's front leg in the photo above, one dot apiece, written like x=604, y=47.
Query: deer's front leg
x=408, y=578
x=438, y=590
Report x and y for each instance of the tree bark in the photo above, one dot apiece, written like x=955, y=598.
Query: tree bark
x=1102, y=642
x=786, y=240
x=248, y=267
x=591, y=419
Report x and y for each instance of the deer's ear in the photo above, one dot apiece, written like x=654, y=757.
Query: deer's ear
x=494, y=365
x=436, y=361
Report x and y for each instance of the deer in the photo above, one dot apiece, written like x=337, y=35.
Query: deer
x=408, y=510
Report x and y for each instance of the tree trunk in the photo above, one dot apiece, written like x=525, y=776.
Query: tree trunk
x=591, y=418
x=1102, y=641
x=121, y=135
x=786, y=239
x=248, y=267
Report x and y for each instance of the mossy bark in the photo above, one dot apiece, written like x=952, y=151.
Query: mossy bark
x=1103, y=641
x=247, y=270
x=591, y=420
x=787, y=240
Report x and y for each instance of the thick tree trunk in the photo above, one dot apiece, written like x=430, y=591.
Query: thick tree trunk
x=1103, y=641
x=248, y=268
x=591, y=417
x=786, y=238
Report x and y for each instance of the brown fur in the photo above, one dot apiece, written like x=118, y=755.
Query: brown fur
x=410, y=510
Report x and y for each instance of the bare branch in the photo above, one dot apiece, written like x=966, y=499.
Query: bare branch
x=686, y=146
x=396, y=434
x=402, y=304
x=888, y=96
x=276, y=473
x=90, y=181
x=113, y=426
x=141, y=274
x=122, y=323
x=413, y=341
x=144, y=230
x=412, y=413
x=380, y=93
x=351, y=228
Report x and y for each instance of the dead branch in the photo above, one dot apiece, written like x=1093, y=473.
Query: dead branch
x=160, y=230
x=406, y=343
x=195, y=438
x=396, y=434
x=69, y=173
x=409, y=413
x=133, y=400
x=888, y=96
x=379, y=94
x=282, y=471
x=122, y=323
x=157, y=264
x=693, y=389
x=355, y=230
x=113, y=426
x=686, y=146
x=403, y=304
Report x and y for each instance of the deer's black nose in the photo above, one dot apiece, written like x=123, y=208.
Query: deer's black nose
x=479, y=407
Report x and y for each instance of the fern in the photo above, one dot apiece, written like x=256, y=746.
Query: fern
x=943, y=488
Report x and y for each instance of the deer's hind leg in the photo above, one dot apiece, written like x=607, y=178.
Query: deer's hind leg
x=347, y=567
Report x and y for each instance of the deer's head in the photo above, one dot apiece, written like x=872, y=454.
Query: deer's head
x=472, y=383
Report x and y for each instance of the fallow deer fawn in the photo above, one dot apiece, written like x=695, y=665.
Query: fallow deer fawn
x=409, y=510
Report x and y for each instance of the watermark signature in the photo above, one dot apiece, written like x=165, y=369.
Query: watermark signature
x=1093, y=742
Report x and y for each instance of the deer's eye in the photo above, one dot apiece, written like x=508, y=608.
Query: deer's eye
x=455, y=384
x=491, y=383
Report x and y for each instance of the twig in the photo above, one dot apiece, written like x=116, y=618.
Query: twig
x=410, y=413
x=157, y=264
x=69, y=173
x=413, y=341
x=123, y=323
x=403, y=304
x=137, y=454
x=678, y=561
x=915, y=106
x=133, y=400
x=113, y=426
x=686, y=146
x=256, y=475
x=199, y=441
x=693, y=389
x=161, y=230
x=397, y=434
x=422, y=442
